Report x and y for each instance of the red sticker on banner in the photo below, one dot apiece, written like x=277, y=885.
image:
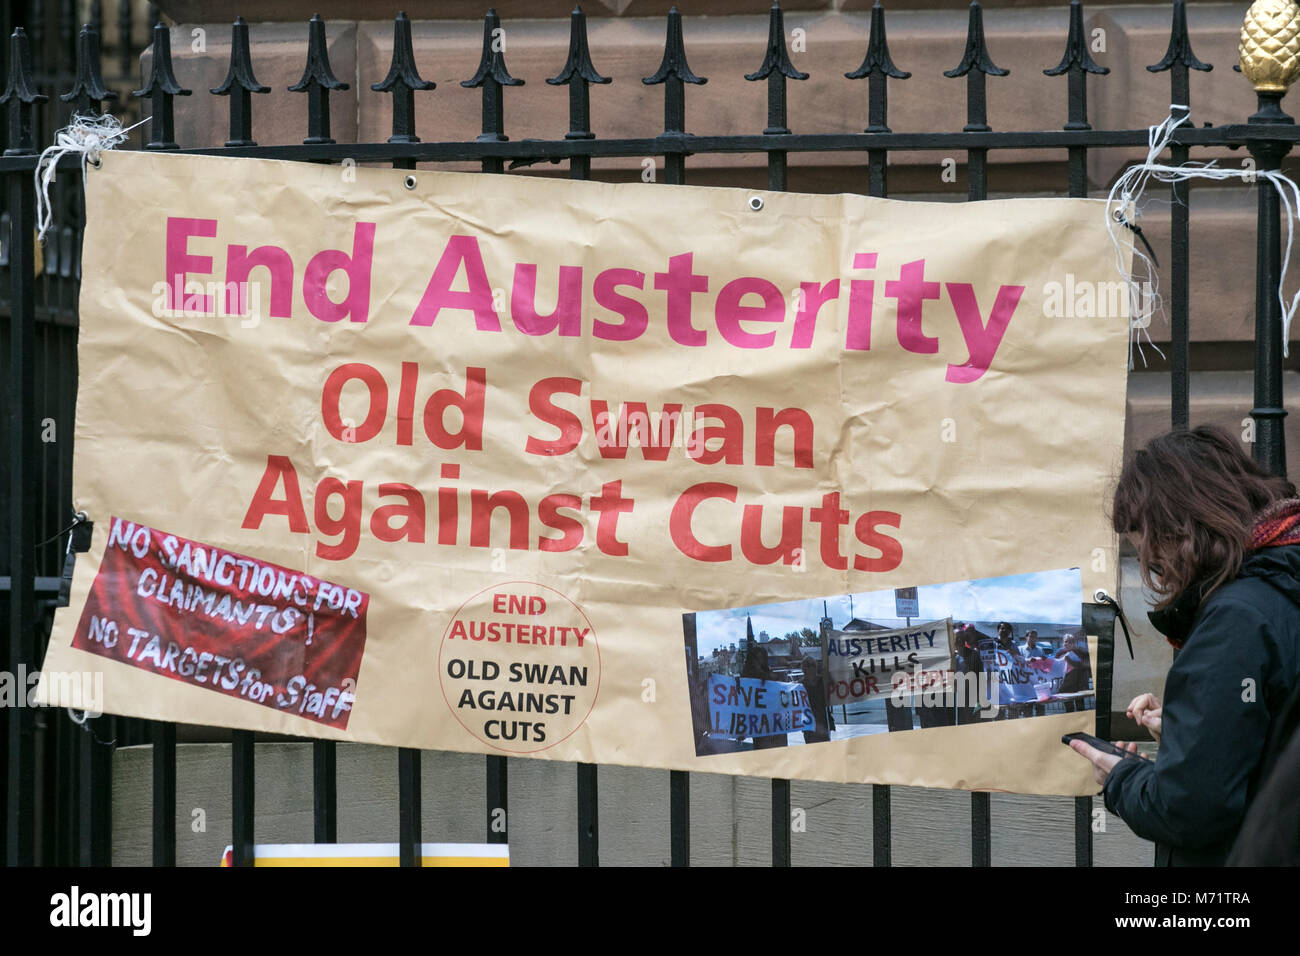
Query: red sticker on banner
x=226, y=622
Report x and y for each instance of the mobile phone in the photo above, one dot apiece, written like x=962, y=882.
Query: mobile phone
x=1105, y=746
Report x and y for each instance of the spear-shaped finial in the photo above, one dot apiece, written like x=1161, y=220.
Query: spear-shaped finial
x=578, y=65
x=317, y=81
x=240, y=73
x=20, y=95
x=777, y=57
x=578, y=74
x=493, y=77
x=161, y=89
x=162, y=77
x=89, y=91
x=878, y=61
x=674, y=65
x=976, y=56
x=1180, y=45
x=402, y=81
x=239, y=85
x=776, y=69
x=492, y=64
x=878, y=68
x=1076, y=48
x=1077, y=63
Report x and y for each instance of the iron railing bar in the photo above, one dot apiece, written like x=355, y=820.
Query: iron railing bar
x=780, y=822
x=65, y=792
x=1098, y=619
x=1179, y=296
x=498, y=789
x=409, y=812
x=409, y=784
x=1179, y=60
x=324, y=791
x=242, y=753
x=95, y=781
x=541, y=149
x=580, y=169
x=882, y=826
x=679, y=815
x=981, y=829
x=1083, y=831
x=164, y=793
x=47, y=731
x=978, y=67
x=24, y=489
x=472, y=151
x=679, y=781
x=882, y=821
x=1269, y=410
x=776, y=69
x=588, y=817
x=1077, y=63
x=878, y=68
x=670, y=74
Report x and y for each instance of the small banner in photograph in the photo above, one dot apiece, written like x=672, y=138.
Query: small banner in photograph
x=874, y=664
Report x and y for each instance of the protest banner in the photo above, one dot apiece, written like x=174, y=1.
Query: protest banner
x=745, y=707
x=496, y=435
x=1022, y=679
x=172, y=607
x=869, y=665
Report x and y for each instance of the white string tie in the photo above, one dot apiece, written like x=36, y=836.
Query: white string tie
x=84, y=135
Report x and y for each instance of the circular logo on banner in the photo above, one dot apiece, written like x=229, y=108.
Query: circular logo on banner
x=519, y=666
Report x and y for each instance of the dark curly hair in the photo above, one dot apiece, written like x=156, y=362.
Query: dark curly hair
x=1191, y=498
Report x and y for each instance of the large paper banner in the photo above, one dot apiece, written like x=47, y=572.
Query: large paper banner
x=475, y=445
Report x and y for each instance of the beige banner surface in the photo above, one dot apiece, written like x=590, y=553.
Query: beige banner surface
x=442, y=462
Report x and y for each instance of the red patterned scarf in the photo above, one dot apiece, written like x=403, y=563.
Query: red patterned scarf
x=1278, y=524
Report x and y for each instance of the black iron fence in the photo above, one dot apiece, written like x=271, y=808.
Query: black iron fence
x=57, y=794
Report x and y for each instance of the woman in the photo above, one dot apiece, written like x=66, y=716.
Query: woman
x=1217, y=543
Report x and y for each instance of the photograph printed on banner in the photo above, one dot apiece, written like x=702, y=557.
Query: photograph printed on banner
x=937, y=655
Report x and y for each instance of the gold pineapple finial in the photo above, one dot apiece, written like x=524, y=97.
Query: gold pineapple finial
x=1270, y=45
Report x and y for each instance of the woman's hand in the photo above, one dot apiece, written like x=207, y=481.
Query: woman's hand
x=1102, y=763
x=1146, y=709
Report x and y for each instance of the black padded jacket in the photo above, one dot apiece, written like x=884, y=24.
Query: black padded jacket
x=1224, y=700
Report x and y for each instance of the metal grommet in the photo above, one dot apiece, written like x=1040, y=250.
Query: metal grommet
x=409, y=182
x=96, y=161
x=756, y=203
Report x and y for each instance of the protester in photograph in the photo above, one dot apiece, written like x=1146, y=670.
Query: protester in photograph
x=1032, y=650
x=934, y=707
x=1217, y=543
x=1007, y=639
x=814, y=681
x=757, y=667
x=1006, y=642
x=966, y=660
x=1078, y=670
x=699, y=688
